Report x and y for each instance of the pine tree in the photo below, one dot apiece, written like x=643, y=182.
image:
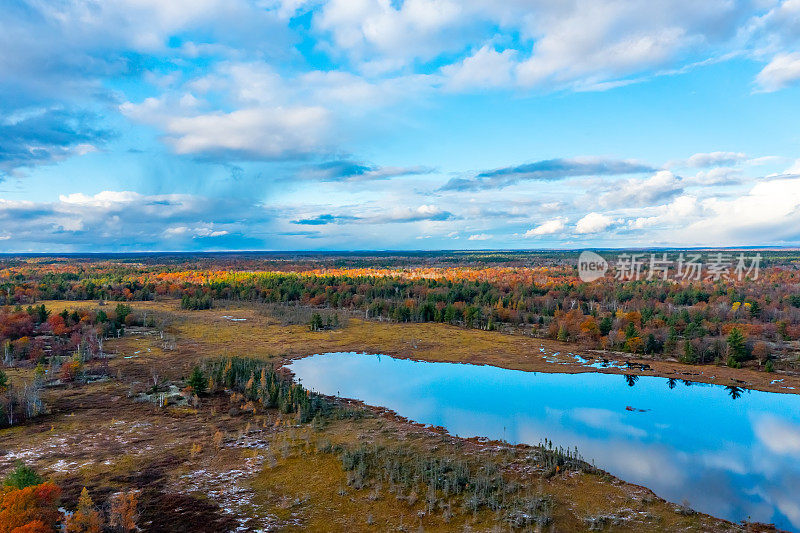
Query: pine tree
x=689, y=354
x=316, y=322
x=605, y=325
x=197, y=381
x=22, y=476
x=737, y=350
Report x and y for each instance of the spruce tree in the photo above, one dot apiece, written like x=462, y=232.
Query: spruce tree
x=197, y=381
x=689, y=354
x=737, y=350
x=605, y=325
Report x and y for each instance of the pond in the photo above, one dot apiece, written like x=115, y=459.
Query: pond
x=725, y=451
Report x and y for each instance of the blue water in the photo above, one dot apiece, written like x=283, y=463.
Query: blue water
x=732, y=457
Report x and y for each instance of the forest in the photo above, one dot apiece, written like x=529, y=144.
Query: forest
x=752, y=322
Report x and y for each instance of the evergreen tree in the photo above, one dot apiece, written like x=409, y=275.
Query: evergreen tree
x=42, y=313
x=197, y=381
x=689, y=354
x=316, y=322
x=22, y=476
x=605, y=325
x=737, y=349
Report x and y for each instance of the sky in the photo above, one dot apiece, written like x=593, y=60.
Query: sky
x=144, y=125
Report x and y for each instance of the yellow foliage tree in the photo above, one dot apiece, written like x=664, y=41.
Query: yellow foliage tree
x=85, y=519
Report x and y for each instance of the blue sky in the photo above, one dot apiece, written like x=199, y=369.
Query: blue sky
x=132, y=125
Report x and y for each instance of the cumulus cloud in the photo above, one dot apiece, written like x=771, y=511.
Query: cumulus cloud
x=715, y=176
x=202, y=230
x=781, y=72
x=676, y=212
x=547, y=170
x=577, y=44
x=426, y=212
x=479, y=237
x=593, y=223
x=549, y=227
x=385, y=36
x=485, y=68
x=256, y=133
x=636, y=192
x=769, y=213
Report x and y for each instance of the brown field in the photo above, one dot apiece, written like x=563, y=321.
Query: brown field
x=216, y=467
x=206, y=334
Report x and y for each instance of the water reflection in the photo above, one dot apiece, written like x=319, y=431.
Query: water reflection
x=733, y=459
x=734, y=392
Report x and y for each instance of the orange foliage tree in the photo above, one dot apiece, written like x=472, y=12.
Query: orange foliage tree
x=123, y=514
x=31, y=509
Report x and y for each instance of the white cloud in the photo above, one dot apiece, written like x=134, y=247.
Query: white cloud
x=768, y=214
x=636, y=192
x=480, y=237
x=202, y=230
x=104, y=199
x=781, y=72
x=485, y=68
x=427, y=212
x=386, y=36
x=255, y=132
x=549, y=227
x=715, y=176
x=676, y=212
x=593, y=223
x=711, y=159
x=584, y=44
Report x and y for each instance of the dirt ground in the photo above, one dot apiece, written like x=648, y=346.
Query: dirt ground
x=216, y=467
